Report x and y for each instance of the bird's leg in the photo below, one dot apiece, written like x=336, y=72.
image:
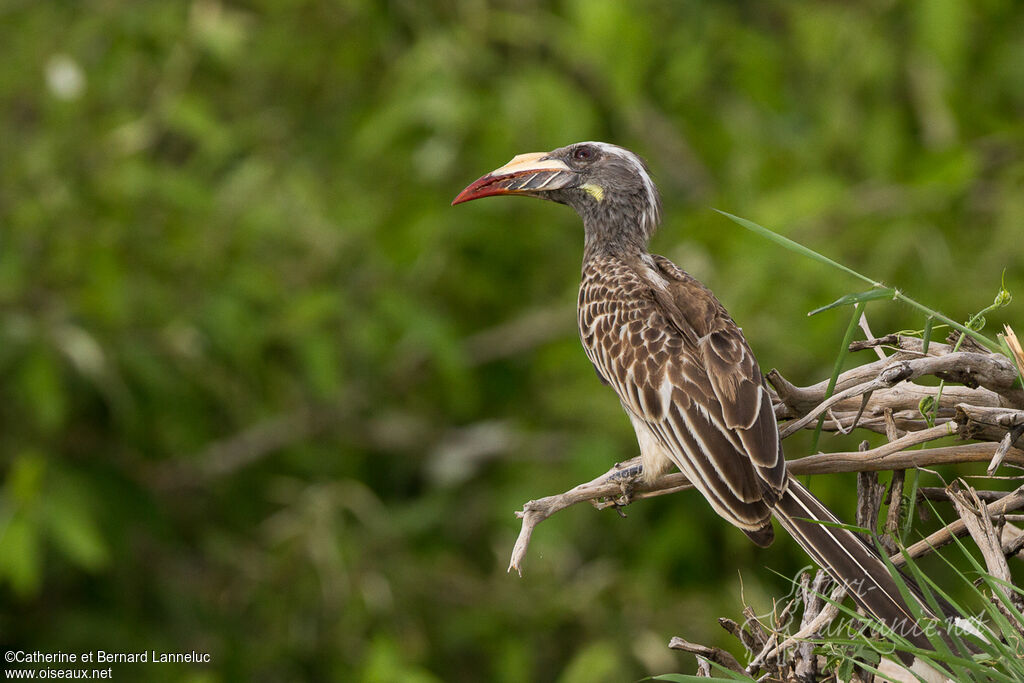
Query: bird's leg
x=630, y=470
x=628, y=475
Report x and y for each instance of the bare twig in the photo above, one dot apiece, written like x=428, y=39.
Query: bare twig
x=863, y=322
x=1015, y=348
x=736, y=631
x=887, y=377
x=909, y=420
x=808, y=628
x=988, y=379
x=978, y=522
x=611, y=484
x=986, y=422
x=945, y=535
x=903, y=343
x=891, y=532
x=715, y=654
x=830, y=463
x=1004, y=447
x=940, y=493
x=992, y=371
x=869, y=500
x=1014, y=545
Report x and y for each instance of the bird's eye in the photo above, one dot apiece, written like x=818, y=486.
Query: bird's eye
x=583, y=153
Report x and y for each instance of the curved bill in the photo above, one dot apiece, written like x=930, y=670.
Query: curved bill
x=526, y=174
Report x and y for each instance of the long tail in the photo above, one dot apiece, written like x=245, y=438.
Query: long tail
x=851, y=562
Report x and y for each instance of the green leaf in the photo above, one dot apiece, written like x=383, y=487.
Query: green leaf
x=926, y=407
x=869, y=295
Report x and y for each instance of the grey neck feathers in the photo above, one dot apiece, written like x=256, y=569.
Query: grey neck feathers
x=618, y=225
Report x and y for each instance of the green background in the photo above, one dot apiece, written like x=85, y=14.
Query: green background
x=265, y=394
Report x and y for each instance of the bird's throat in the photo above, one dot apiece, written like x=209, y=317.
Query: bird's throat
x=622, y=236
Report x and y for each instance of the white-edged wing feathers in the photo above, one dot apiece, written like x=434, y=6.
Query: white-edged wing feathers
x=689, y=382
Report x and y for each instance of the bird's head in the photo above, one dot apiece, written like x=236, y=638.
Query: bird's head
x=608, y=186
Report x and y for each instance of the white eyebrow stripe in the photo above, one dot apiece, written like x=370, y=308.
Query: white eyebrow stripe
x=645, y=177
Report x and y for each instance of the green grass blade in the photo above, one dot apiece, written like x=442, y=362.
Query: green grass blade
x=821, y=258
x=870, y=295
x=978, y=337
x=796, y=246
x=926, y=336
x=837, y=368
x=910, y=503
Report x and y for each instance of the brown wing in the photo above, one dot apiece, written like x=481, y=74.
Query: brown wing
x=732, y=371
x=685, y=375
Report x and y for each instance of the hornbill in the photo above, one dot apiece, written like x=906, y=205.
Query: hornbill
x=683, y=370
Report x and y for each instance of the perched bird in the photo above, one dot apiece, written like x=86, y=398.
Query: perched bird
x=682, y=368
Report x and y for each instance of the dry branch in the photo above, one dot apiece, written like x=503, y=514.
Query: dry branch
x=978, y=522
x=940, y=493
x=987, y=423
x=869, y=500
x=715, y=654
x=621, y=484
x=901, y=342
x=817, y=615
x=973, y=370
x=988, y=379
x=881, y=396
x=945, y=535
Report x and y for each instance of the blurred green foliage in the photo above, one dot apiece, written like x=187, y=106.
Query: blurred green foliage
x=265, y=394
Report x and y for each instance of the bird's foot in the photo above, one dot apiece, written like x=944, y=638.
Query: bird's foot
x=627, y=478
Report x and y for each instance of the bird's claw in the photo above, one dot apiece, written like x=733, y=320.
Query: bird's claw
x=627, y=478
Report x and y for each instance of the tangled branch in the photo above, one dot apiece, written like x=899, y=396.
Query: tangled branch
x=983, y=408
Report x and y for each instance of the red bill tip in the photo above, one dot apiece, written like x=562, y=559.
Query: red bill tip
x=485, y=186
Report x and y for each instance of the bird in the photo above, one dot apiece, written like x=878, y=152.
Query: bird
x=684, y=372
